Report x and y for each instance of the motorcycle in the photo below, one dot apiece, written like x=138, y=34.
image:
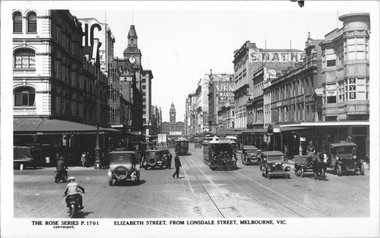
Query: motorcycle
x=74, y=207
x=60, y=176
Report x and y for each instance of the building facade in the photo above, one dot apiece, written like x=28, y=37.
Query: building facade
x=247, y=59
x=59, y=89
x=173, y=127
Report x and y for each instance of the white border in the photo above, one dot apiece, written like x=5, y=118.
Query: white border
x=326, y=227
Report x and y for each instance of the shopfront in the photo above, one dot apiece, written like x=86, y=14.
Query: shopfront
x=70, y=139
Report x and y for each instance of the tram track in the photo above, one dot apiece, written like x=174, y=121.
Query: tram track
x=265, y=193
x=199, y=181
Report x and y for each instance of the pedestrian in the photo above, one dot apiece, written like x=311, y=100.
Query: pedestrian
x=170, y=160
x=177, y=164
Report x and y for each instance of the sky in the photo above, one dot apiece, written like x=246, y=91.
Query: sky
x=182, y=41
x=182, y=44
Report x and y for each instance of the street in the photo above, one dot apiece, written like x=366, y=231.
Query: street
x=198, y=193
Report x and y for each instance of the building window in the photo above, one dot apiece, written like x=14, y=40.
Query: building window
x=331, y=63
x=351, y=89
x=17, y=22
x=356, y=48
x=32, y=22
x=24, y=96
x=25, y=59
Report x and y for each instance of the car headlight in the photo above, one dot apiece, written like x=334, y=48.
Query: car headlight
x=354, y=157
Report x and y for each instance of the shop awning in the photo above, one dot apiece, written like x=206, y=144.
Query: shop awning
x=255, y=131
x=293, y=128
x=39, y=126
x=228, y=132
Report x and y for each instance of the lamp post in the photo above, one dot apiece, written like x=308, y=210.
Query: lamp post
x=97, y=147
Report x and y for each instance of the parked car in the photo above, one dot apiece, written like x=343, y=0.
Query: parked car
x=250, y=155
x=343, y=158
x=154, y=158
x=23, y=156
x=166, y=155
x=123, y=166
x=272, y=164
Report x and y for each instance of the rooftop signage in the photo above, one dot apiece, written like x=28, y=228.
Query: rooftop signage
x=256, y=55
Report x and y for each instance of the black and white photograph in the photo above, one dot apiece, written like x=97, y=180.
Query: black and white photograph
x=190, y=118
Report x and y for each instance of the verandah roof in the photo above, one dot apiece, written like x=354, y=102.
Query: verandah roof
x=42, y=126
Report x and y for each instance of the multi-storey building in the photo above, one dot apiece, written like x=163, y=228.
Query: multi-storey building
x=57, y=83
x=246, y=61
x=146, y=88
x=190, y=123
x=130, y=70
x=156, y=122
x=326, y=100
x=173, y=128
x=221, y=89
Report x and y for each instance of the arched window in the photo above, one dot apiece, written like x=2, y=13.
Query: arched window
x=17, y=22
x=32, y=22
x=24, y=96
x=25, y=59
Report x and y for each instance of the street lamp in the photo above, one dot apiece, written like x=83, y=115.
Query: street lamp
x=97, y=147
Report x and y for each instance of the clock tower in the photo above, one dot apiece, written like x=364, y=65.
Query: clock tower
x=133, y=54
x=172, y=113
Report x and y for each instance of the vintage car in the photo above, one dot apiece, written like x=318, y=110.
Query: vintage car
x=166, y=155
x=250, y=155
x=219, y=154
x=198, y=143
x=343, y=158
x=154, y=158
x=182, y=146
x=23, y=156
x=272, y=164
x=123, y=166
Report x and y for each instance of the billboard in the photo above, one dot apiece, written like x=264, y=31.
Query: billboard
x=257, y=55
x=225, y=92
x=92, y=29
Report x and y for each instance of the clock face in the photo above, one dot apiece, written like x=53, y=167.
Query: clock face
x=132, y=60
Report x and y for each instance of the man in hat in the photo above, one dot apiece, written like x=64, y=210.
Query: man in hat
x=72, y=192
x=61, y=165
x=177, y=164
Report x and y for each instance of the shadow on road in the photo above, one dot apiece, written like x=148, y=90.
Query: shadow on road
x=129, y=183
x=82, y=214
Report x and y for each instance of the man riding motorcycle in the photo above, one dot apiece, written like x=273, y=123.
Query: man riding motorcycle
x=61, y=165
x=72, y=192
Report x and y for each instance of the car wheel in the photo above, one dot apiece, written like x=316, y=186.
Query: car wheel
x=266, y=173
x=339, y=170
x=110, y=182
x=302, y=172
x=362, y=169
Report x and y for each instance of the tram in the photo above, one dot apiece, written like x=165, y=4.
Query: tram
x=182, y=146
x=219, y=154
